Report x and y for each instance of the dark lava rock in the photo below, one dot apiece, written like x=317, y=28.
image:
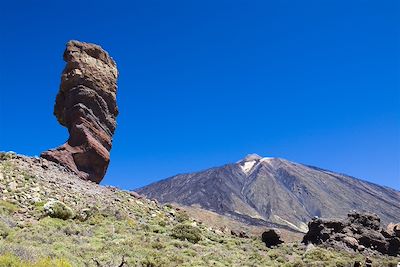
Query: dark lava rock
x=86, y=105
x=358, y=232
x=366, y=220
x=271, y=237
x=239, y=233
x=393, y=229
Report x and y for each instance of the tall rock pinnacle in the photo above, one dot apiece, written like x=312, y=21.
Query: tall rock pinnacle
x=86, y=105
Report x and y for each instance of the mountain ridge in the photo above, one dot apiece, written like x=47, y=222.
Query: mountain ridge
x=276, y=190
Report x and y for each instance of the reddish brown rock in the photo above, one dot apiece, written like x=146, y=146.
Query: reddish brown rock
x=86, y=105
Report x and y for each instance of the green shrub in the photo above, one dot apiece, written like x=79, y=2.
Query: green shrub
x=4, y=230
x=187, y=232
x=157, y=229
x=320, y=254
x=168, y=205
x=158, y=245
x=7, y=207
x=182, y=216
x=152, y=261
x=162, y=223
x=57, y=209
x=9, y=260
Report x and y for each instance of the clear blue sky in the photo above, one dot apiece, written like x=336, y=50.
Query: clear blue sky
x=203, y=83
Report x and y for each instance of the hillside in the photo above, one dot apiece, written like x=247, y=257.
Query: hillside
x=276, y=192
x=50, y=217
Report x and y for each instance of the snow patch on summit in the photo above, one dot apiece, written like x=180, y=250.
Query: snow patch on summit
x=266, y=159
x=250, y=161
x=247, y=166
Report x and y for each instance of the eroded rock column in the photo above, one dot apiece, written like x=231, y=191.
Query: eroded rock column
x=86, y=105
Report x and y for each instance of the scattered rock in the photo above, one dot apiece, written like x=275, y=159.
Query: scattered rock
x=86, y=105
x=57, y=209
x=360, y=231
x=12, y=186
x=239, y=233
x=86, y=213
x=136, y=195
x=309, y=247
x=368, y=262
x=271, y=237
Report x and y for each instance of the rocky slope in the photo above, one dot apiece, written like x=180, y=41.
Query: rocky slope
x=271, y=190
x=86, y=105
x=51, y=217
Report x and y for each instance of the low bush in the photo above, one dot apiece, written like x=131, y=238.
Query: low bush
x=182, y=216
x=57, y=209
x=9, y=260
x=4, y=230
x=186, y=232
x=7, y=207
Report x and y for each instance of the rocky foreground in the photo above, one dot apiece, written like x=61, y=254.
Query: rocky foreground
x=51, y=217
x=358, y=232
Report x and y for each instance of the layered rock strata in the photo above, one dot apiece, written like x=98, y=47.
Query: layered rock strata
x=86, y=105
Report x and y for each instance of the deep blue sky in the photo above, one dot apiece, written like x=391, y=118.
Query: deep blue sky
x=203, y=83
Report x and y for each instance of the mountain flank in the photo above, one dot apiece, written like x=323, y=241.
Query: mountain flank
x=261, y=191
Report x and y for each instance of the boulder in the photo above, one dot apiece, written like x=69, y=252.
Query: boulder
x=359, y=232
x=86, y=106
x=364, y=220
x=271, y=237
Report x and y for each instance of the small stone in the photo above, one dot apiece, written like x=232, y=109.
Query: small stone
x=368, y=262
x=218, y=232
x=12, y=186
x=310, y=247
